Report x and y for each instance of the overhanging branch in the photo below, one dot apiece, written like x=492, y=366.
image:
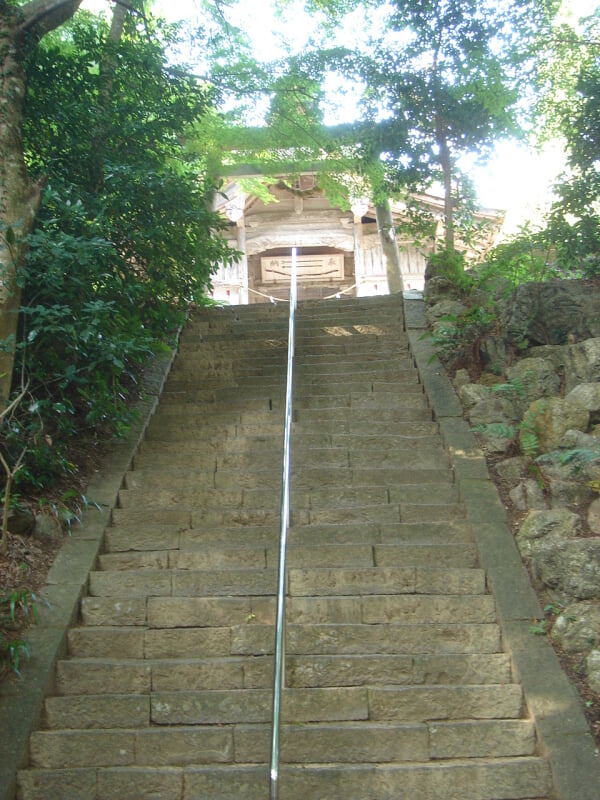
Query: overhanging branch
x=39, y=17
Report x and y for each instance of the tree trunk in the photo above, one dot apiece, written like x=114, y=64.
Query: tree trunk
x=19, y=196
x=389, y=246
x=446, y=164
x=20, y=27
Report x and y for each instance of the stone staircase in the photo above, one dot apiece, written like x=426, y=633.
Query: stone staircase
x=397, y=683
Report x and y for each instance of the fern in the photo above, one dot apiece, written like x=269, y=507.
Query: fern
x=497, y=429
x=530, y=443
x=510, y=390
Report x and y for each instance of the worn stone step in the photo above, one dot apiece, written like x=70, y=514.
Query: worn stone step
x=388, y=742
x=313, y=743
x=181, y=612
x=96, y=676
x=254, y=638
x=108, y=676
x=170, y=582
x=387, y=669
x=424, y=493
x=406, y=382
x=526, y=777
x=344, y=419
x=356, y=555
x=445, y=702
x=400, y=638
x=412, y=535
x=412, y=427
x=149, y=747
x=206, y=559
x=193, y=494
x=406, y=443
x=424, y=555
x=385, y=580
x=384, y=370
x=202, y=707
x=140, y=533
x=151, y=478
x=390, y=513
x=136, y=642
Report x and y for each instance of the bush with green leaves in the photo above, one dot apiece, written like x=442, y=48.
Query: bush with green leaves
x=526, y=256
x=457, y=337
x=125, y=239
x=12, y=604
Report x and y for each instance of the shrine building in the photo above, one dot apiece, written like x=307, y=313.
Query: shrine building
x=339, y=252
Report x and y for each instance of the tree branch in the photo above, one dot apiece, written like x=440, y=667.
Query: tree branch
x=39, y=17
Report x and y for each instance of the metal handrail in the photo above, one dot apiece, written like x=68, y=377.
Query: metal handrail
x=279, y=673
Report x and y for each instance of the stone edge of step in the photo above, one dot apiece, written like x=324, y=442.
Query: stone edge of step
x=553, y=702
x=21, y=701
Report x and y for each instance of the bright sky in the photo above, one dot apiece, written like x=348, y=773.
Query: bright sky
x=516, y=179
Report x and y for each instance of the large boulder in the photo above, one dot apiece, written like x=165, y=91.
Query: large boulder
x=495, y=352
x=571, y=568
x=587, y=396
x=472, y=393
x=494, y=410
x=528, y=495
x=437, y=288
x=21, y=521
x=512, y=469
x=553, y=312
x=571, y=472
x=444, y=308
x=495, y=418
x=546, y=528
x=593, y=670
x=593, y=516
x=533, y=378
x=555, y=353
x=582, y=363
x=577, y=627
x=549, y=419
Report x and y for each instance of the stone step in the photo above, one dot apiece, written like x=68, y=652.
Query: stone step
x=313, y=743
x=182, y=583
x=195, y=492
x=384, y=580
x=314, y=477
x=526, y=777
x=152, y=475
x=255, y=639
x=373, y=639
x=309, y=582
x=114, y=675
x=139, y=532
x=182, y=612
x=242, y=554
x=230, y=706
x=420, y=458
x=399, y=413
x=378, y=742
x=469, y=779
x=213, y=707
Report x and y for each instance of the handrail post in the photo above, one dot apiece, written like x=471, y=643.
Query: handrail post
x=279, y=665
